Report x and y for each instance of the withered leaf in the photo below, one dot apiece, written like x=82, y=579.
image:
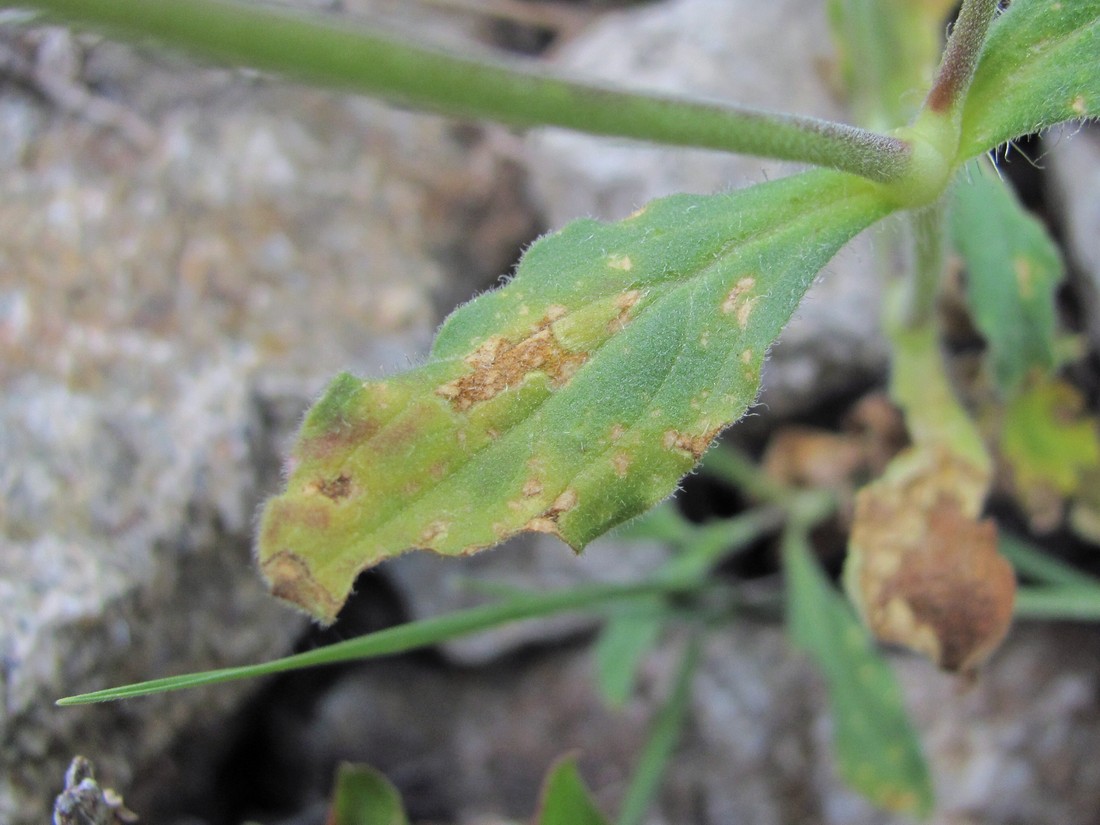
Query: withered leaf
x=923, y=570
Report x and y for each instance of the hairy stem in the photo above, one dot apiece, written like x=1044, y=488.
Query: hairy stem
x=960, y=58
x=337, y=55
x=928, y=265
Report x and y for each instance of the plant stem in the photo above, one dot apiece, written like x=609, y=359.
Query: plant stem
x=1033, y=562
x=929, y=261
x=401, y=638
x=337, y=55
x=960, y=58
x=1081, y=604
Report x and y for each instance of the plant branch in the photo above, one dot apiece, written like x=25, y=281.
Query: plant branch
x=337, y=55
x=410, y=636
x=960, y=58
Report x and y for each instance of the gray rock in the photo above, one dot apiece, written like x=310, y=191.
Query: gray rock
x=469, y=744
x=473, y=743
x=1072, y=154
x=170, y=300
x=126, y=556
x=1012, y=748
x=769, y=55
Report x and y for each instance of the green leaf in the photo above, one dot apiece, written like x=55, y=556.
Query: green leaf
x=1039, y=68
x=664, y=733
x=1051, y=447
x=622, y=645
x=565, y=799
x=1048, y=439
x=877, y=749
x=566, y=402
x=1012, y=271
x=363, y=796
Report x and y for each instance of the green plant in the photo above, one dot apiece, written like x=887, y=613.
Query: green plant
x=574, y=398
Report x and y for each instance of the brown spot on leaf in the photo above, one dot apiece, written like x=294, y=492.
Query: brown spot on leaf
x=621, y=262
x=437, y=529
x=1025, y=277
x=542, y=525
x=738, y=303
x=617, y=432
x=695, y=445
x=498, y=365
x=337, y=488
x=285, y=511
x=621, y=463
x=624, y=303
x=563, y=503
x=290, y=579
x=531, y=488
x=336, y=439
x=547, y=521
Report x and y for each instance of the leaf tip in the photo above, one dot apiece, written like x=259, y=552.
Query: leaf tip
x=290, y=579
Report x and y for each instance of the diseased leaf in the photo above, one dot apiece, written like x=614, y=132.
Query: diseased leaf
x=566, y=402
x=565, y=799
x=1052, y=449
x=363, y=796
x=1012, y=271
x=877, y=749
x=923, y=570
x=1038, y=68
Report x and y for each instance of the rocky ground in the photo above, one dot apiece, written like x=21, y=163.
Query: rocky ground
x=189, y=254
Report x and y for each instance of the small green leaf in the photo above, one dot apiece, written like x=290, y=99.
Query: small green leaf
x=363, y=796
x=1039, y=68
x=568, y=401
x=877, y=749
x=565, y=799
x=622, y=645
x=1052, y=448
x=1048, y=438
x=664, y=733
x=1012, y=271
